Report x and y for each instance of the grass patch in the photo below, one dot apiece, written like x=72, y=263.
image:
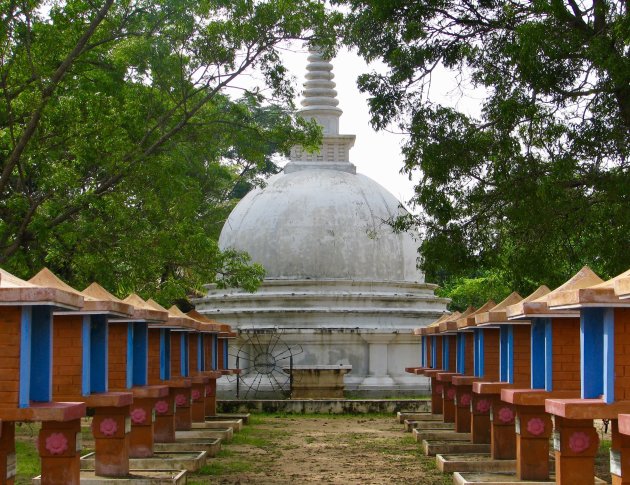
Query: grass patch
x=28, y=465
x=225, y=463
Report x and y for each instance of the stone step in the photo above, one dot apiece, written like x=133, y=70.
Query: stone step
x=235, y=424
x=226, y=434
x=418, y=417
x=222, y=417
x=435, y=447
x=411, y=425
x=161, y=460
x=501, y=479
x=440, y=434
x=142, y=477
x=473, y=462
x=211, y=445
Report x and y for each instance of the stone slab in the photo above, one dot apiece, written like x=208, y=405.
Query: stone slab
x=402, y=416
x=235, y=424
x=226, y=434
x=220, y=417
x=144, y=477
x=439, y=447
x=210, y=445
x=472, y=478
x=473, y=462
x=175, y=460
x=440, y=434
x=411, y=425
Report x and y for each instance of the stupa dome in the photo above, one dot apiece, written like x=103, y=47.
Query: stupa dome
x=323, y=224
x=320, y=219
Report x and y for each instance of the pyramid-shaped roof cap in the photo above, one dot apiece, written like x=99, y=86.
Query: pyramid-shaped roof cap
x=497, y=314
x=539, y=308
x=598, y=295
x=468, y=319
x=97, y=292
x=183, y=319
x=16, y=291
x=450, y=324
x=622, y=288
x=143, y=312
x=91, y=304
x=432, y=327
x=209, y=325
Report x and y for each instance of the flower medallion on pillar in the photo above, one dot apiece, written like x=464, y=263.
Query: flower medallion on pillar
x=483, y=405
x=161, y=407
x=180, y=400
x=536, y=426
x=108, y=427
x=465, y=400
x=506, y=415
x=450, y=394
x=579, y=442
x=196, y=394
x=138, y=416
x=56, y=443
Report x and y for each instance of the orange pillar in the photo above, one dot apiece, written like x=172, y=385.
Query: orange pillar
x=7, y=451
x=198, y=402
x=533, y=431
x=164, y=426
x=463, y=398
x=141, y=437
x=436, y=396
x=111, y=427
x=575, y=443
x=211, y=398
x=619, y=451
x=59, y=445
x=480, y=418
x=183, y=410
x=502, y=430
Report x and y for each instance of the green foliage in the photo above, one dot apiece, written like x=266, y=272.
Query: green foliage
x=539, y=184
x=124, y=142
x=475, y=291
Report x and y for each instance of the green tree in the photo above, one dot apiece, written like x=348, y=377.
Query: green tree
x=126, y=132
x=539, y=183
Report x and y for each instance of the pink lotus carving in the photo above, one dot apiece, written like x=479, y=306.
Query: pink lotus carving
x=138, y=416
x=465, y=400
x=56, y=443
x=579, y=442
x=108, y=427
x=180, y=400
x=161, y=407
x=536, y=426
x=506, y=415
x=196, y=394
x=439, y=388
x=450, y=394
x=483, y=405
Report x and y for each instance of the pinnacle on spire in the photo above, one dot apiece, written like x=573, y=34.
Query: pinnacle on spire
x=319, y=96
x=320, y=102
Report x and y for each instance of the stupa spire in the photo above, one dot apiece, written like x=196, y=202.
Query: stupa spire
x=319, y=96
x=319, y=102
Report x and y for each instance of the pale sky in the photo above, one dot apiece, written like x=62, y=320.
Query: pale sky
x=377, y=154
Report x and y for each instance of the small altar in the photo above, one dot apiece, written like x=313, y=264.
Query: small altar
x=317, y=381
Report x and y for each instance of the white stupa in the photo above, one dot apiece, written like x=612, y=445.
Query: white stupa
x=339, y=281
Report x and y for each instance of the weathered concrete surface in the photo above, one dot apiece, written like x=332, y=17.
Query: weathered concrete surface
x=427, y=425
x=317, y=381
x=435, y=447
x=474, y=462
x=440, y=434
x=174, y=460
x=154, y=477
x=326, y=406
x=424, y=416
x=225, y=434
x=219, y=417
x=210, y=445
x=235, y=424
x=499, y=479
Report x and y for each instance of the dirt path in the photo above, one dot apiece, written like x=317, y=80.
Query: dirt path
x=335, y=450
